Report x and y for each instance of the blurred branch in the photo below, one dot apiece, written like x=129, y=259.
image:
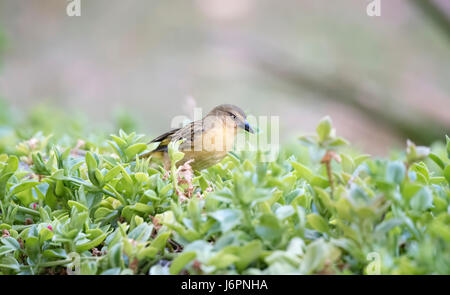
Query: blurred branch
x=385, y=111
x=435, y=14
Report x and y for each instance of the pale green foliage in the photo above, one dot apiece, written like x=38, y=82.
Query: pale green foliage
x=243, y=216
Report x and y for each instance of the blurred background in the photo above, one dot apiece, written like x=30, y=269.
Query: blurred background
x=381, y=79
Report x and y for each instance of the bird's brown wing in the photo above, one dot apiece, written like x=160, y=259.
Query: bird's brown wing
x=188, y=133
x=164, y=140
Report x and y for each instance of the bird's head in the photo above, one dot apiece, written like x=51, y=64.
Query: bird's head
x=233, y=114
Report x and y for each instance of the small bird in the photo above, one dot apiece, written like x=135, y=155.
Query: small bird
x=206, y=141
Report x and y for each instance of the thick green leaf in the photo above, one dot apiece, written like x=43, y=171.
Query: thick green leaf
x=45, y=234
x=447, y=173
x=10, y=263
x=23, y=186
x=135, y=149
x=91, y=162
x=181, y=261
x=228, y=218
x=302, y=171
x=315, y=256
x=91, y=244
x=324, y=128
x=395, y=172
x=437, y=160
x=422, y=201
x=317, y=222
x=80, y=207
x=141, y=233
x=10, y=242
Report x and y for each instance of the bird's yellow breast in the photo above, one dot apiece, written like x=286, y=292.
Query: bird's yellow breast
x=207, y=143
x=219, y=138
x=211, y=146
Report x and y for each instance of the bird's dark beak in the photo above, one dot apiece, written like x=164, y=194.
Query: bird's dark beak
x=248, y=128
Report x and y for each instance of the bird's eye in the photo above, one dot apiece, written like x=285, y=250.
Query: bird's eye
x=233, y=115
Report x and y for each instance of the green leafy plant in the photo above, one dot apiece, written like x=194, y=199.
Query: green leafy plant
x=95, y=207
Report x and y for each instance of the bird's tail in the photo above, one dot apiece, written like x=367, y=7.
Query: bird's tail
x=156, y=156
x=145, y=155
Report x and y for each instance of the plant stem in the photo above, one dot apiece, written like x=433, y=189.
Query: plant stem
x=173, y=171
x=330, y=178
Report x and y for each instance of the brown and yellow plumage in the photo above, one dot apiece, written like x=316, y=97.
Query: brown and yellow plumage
x=207, y=141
